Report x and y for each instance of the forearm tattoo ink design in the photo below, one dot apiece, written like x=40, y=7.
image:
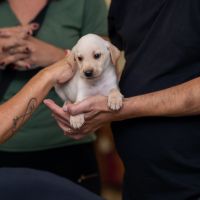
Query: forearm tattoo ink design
x=32, y=104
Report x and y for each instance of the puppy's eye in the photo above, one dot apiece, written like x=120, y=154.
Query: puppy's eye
x=97, y=56
x=80, y=58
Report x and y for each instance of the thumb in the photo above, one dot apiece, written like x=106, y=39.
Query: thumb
x=78, y=108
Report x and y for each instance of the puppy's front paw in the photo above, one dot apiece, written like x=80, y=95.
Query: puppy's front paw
x=77, y=121
x=115, y=100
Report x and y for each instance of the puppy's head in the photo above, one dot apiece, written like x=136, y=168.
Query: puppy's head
x=93, y=54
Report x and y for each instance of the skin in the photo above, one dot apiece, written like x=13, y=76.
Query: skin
x=40, y=53
x=22, y=50
x=11, y=39
x=180, y=100
x=16, y=111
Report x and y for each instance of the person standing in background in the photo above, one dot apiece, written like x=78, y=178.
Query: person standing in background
x=40, y=144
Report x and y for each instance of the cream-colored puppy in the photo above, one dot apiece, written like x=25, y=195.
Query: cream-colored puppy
x=96, y=74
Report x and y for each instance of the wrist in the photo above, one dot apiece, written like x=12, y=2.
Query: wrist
x=130, y=109
x=48, y=76
x=61, y=71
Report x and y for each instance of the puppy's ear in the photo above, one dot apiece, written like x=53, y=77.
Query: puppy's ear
x=114, y=52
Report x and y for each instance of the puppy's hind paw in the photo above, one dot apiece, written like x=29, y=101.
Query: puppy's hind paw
x=77, y=121
x=115, y=101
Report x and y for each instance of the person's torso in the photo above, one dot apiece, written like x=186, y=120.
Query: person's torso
x=161, y=39
x=62, y=26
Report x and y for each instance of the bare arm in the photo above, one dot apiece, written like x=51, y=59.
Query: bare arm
x=19, y=109
x=180, y=100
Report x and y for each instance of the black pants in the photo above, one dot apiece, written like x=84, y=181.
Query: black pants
x=76, y=162
x=29, y=184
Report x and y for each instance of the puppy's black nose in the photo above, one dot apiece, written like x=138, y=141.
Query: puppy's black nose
x=88, y=73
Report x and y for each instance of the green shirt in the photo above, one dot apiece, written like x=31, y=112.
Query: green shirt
x=65, y=22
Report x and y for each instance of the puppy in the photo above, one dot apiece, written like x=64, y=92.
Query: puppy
x=96, y=74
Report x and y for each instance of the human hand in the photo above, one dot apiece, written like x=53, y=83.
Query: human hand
x=96, y=114
x=40, y=54
x=58, y=112
x=63, y=70
x=12, y=39
x=20, y=31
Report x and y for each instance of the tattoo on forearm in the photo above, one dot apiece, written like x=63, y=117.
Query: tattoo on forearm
x=32, y=104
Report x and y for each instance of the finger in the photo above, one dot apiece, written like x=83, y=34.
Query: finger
x=20, y=49
x=65, y=127
x=54, y=107
x=78, y=108
x=12, y=42
x=21, y=31
x=92, y=103
x=68, y=131
x=13, y=58
x=91, y=115
x=64, y=121
x=65, y=105
x=24, y=34
x=33, y=26
x=77, y=137
x=7, y=32
x=24, y=31
x=74, y=136
x=29, y=28
x=23, y=65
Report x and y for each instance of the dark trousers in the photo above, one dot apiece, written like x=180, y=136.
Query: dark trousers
x=76, y=162
x=29, y=184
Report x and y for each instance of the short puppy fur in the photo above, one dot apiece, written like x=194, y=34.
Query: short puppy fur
x=96, y=74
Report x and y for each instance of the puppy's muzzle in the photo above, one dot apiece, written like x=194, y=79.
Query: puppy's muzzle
x=88, y=73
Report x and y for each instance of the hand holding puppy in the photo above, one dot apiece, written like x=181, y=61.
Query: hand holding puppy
x=96, y=114
x=63, y=70
x=95, y=76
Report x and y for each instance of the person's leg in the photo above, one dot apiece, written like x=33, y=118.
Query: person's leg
x=23, y=184
x=76, y=162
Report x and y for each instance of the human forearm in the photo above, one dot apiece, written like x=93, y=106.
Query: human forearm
x=180, y=100
x=19, y=109
x=42, y=53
